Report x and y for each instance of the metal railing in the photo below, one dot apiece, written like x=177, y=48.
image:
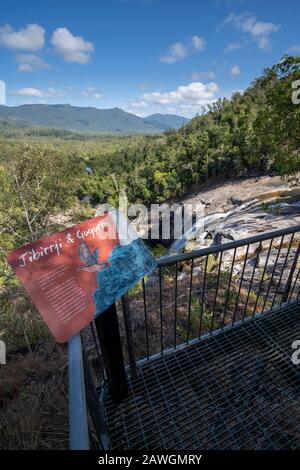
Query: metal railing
x=192, y=296
x=203, y=292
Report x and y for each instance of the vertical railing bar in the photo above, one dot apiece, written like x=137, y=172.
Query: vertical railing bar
x=146, y=317
x=203, y=296
x=228, y=288
x=240, y=285
x=295, y=282
x=160, y=311
x=216, y=294
x=262, y=277
x=272, y=275
x=95, y=340
x=282, y=271
x=290, y=276
x=252, y=278
x=190, y=301
x=175, y=306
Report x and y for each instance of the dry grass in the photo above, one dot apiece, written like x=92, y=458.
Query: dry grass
x=33, y=399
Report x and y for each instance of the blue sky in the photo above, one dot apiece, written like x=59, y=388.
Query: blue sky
x=145, y=56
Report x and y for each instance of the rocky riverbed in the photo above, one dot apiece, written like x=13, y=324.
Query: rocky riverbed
x=238, y=209
x=241, y=282
x=233, y=210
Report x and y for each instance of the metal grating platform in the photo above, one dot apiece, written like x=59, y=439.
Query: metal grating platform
x=237, y=390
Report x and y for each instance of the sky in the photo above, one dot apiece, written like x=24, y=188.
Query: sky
x=144, y=56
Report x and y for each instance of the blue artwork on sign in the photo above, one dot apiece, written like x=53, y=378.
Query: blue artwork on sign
x=127, y=264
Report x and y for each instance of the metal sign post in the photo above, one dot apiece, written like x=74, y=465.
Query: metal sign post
x=129, y=336
x=109, y=337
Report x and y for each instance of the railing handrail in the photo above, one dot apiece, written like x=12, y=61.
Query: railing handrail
x=168, y=260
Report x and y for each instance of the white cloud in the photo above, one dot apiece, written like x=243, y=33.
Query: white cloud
x=175, y=52
x=204, y=75
x=258, y=30
x=31, y=63
x=198, y=43
x=71, y=48
x=180, y=50
x=233, y=46
x=31, y=38
x=186, y=99
x=91, y=92
x=235, y=70
x=37, y=93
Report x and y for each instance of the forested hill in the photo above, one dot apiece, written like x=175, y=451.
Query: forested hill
x=74, y=118
x=254, y=131
x=251, y=133
x=166, y=121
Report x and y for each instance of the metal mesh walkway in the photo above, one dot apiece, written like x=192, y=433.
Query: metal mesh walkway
x=235, y=390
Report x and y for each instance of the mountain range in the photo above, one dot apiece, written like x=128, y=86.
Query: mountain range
x=87, y=119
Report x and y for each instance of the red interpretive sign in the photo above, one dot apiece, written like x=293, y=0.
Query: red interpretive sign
x=74, y=275
x=59, y=273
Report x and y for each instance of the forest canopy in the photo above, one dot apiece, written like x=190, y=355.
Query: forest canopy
x=252, y=132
